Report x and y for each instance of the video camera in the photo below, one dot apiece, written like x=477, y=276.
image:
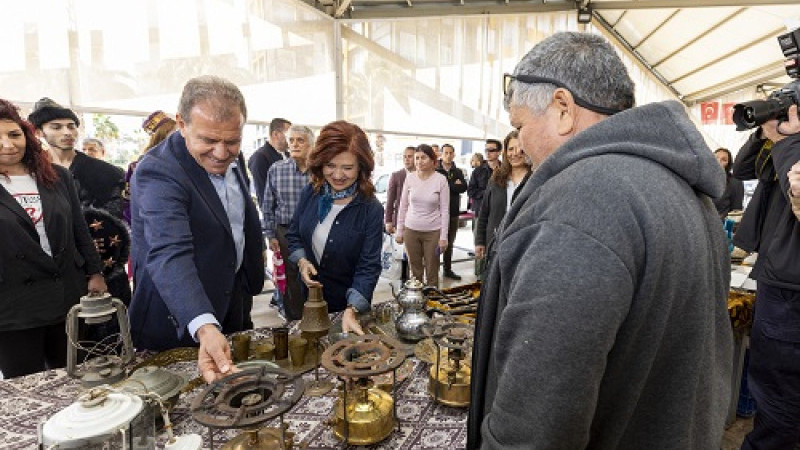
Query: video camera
x=751, y=114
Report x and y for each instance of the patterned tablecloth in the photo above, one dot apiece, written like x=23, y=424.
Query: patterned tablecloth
x=27, y=401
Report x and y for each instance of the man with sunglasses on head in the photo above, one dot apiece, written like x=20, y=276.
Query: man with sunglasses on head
x=480, y=176
x=603, y=322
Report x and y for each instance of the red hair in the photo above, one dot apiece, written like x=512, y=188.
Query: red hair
x=36, y=160
x=339, y=137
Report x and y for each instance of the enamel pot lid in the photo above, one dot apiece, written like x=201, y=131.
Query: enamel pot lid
x=92, y=417
x=152, y=379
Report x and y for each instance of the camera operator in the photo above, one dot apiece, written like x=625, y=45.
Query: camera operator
x=770, y=228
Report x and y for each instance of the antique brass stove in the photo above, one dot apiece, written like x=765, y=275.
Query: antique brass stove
x=246, y=400
x=450, y=373
x=363, y=414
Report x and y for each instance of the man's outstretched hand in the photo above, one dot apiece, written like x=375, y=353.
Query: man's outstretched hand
x=214, y=357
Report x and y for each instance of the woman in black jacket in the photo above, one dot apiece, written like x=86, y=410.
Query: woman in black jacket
x=504, y=183
x=47, y=258
x=732, y=198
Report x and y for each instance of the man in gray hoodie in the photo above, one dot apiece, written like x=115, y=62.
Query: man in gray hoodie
x=603, y=322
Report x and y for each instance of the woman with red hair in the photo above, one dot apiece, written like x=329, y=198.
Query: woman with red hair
x=46, y=256
x=336, y=232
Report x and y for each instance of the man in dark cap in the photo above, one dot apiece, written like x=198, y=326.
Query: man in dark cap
x=99, y=183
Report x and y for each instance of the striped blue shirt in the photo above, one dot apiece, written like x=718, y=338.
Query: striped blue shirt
x=281, y=194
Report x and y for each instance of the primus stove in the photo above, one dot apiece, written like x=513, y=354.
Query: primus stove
x=450, y=373
x=247, y=400
x=363, y=414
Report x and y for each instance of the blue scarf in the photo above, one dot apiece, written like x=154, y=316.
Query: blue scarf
x=328, y=196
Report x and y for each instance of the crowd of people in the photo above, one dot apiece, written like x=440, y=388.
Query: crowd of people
x=602, y=321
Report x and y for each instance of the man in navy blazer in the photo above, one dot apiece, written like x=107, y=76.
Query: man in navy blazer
x=197, y=251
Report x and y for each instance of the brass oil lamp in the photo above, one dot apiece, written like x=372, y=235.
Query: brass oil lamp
x=363, y=414
x=247, y=400
x=450, y=373
x=315, y=324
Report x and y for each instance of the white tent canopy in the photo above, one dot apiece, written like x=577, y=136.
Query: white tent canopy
x=430, y=67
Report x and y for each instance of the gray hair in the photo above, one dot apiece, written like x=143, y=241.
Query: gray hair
x=94, y=141
x=585, y=63
x=302, y=129
x=223, y=95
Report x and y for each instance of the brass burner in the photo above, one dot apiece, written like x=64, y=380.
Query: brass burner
x=247, y=399
x=363, y=356
x=363, y=415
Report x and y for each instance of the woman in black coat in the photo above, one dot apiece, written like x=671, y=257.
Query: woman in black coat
x=732, y=198
x=47, y=259
x=505, y=181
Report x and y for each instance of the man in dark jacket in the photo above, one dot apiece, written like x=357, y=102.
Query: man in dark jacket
x=597, y=328
x=770, y=228
x=480, y=176
x=458, y=185
x=99, y=184
x=197, y=251
x=275, y=149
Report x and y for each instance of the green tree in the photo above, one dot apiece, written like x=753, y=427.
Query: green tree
x=104, y=128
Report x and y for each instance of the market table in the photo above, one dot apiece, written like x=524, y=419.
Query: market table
x=30, y=400
x=740, y=307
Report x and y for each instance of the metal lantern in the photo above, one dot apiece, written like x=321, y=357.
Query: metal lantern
x=102, y=364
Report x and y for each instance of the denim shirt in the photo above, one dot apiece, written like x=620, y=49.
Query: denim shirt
x=351, y=262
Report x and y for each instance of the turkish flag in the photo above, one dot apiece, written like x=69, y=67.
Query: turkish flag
x=709, y=112
x=727, y=113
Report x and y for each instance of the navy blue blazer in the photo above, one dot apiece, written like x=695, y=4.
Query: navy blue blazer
x=352, y=255
x=183, y=255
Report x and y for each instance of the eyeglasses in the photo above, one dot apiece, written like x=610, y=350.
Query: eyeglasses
x=492, y=150
x=531, y=79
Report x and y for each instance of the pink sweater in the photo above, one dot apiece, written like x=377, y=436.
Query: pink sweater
x=425, y=205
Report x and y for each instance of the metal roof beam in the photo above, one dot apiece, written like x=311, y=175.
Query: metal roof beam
x=605, y=26
x=772, y=35
x=362, y=11
x=342, y=8
x=660, y=4
x=761, y=75
x=702, y=34
x=657, y=28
